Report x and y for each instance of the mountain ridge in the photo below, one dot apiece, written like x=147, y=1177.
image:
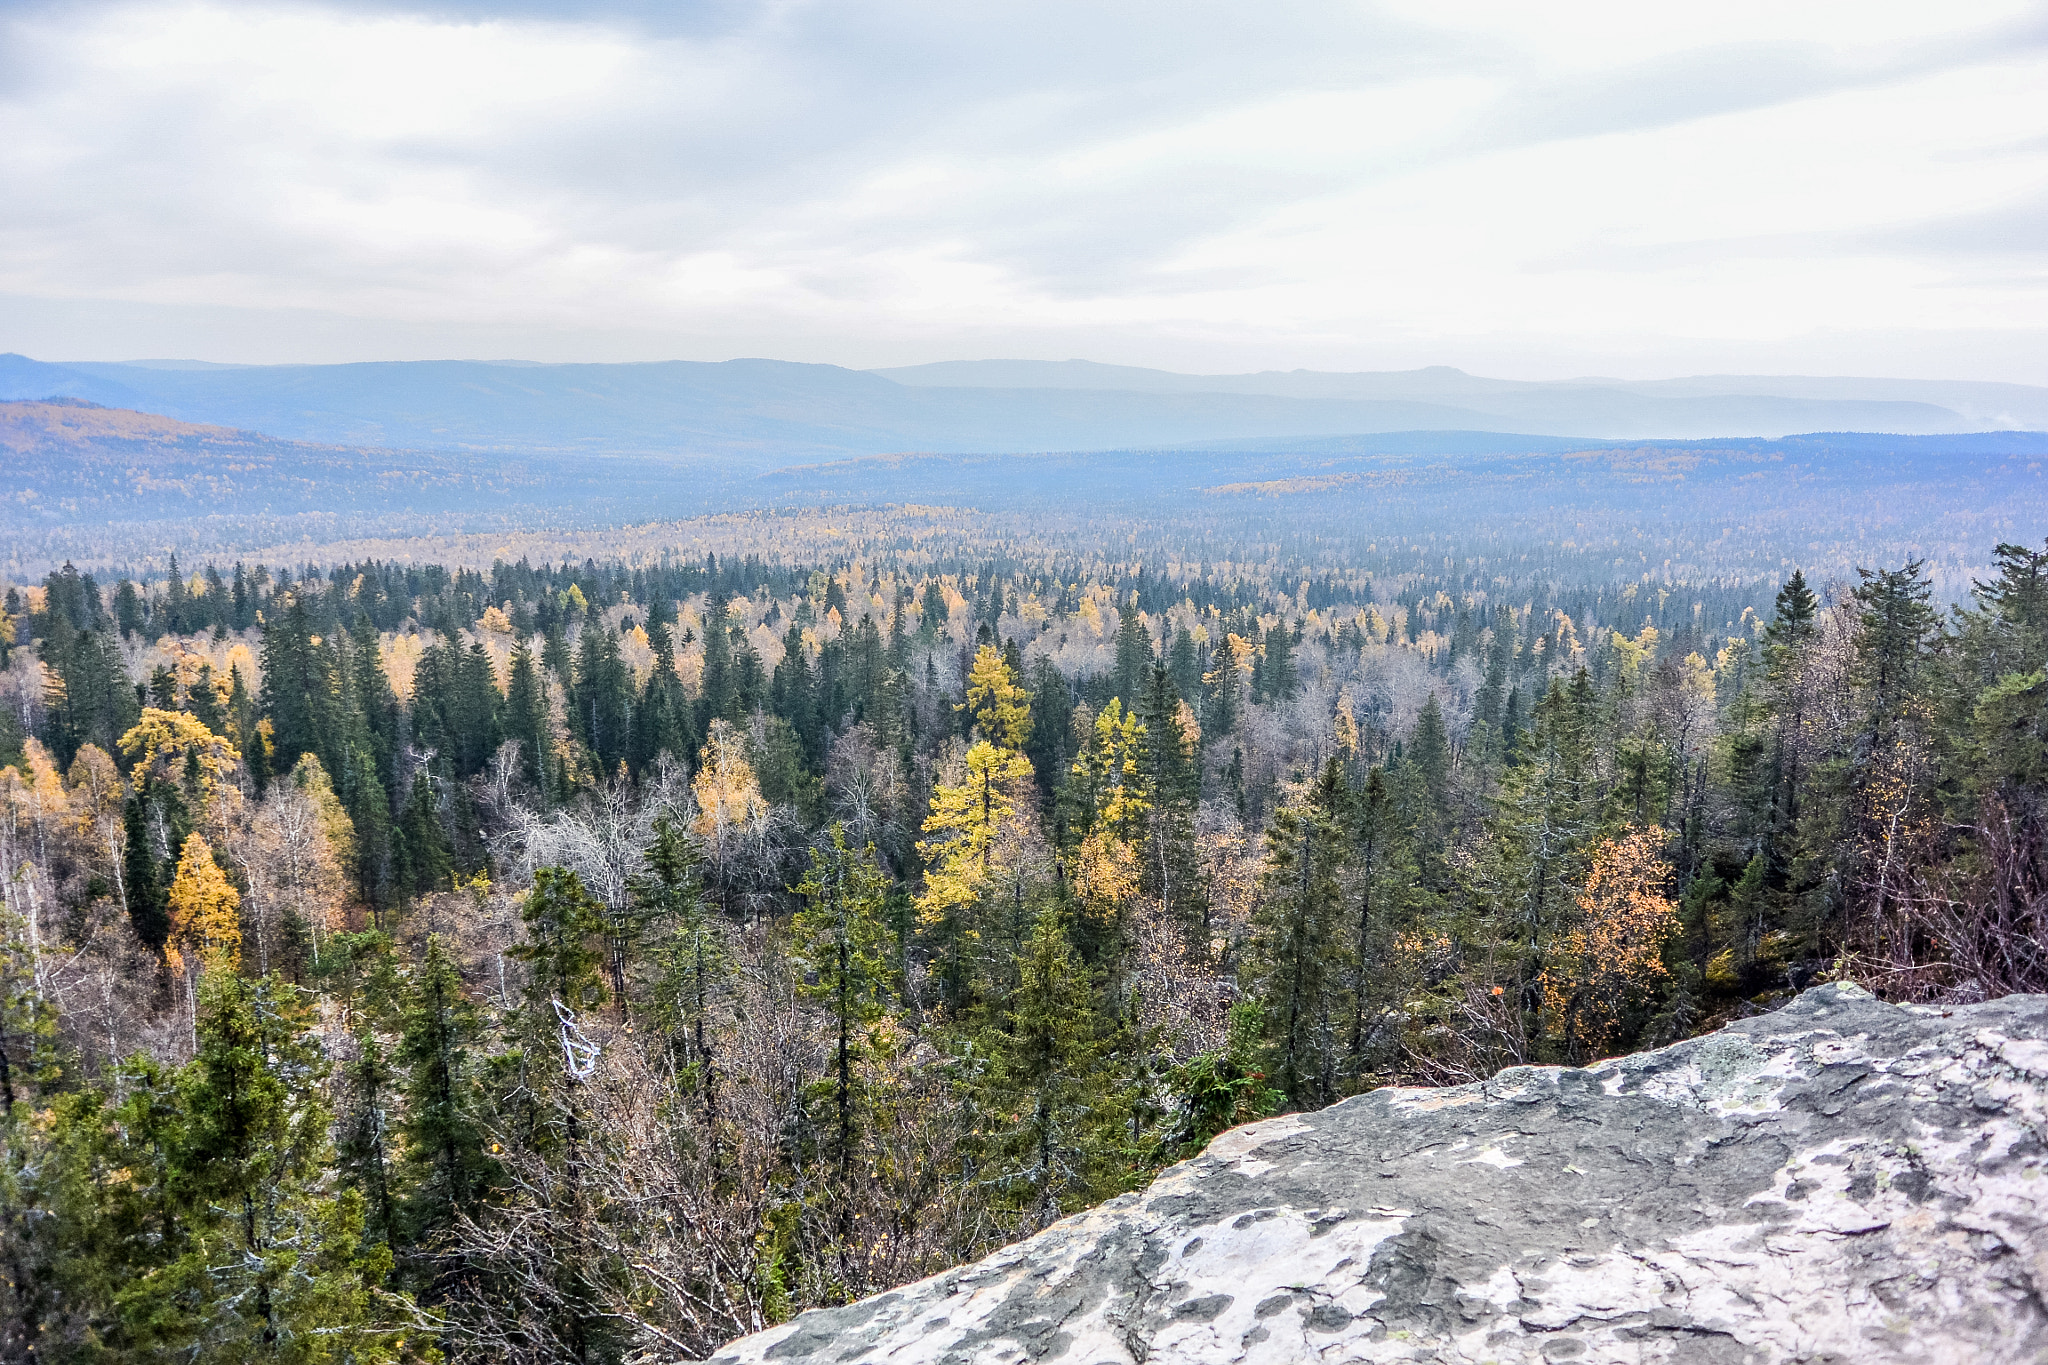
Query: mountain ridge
x=761, y=414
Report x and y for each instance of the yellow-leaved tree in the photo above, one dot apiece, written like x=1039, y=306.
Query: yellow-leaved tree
x=731, y=812
x=999, y=704
x=1108, y=784
x=1607, y=962
x=176, y=748
x=205, y=911
x=959, y=852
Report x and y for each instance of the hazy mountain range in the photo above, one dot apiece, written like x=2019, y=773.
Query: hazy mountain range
x=764, y=414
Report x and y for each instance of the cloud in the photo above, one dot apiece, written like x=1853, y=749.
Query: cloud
x=1226, y=185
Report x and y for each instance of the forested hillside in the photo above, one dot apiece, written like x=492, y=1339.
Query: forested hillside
x=593, y=962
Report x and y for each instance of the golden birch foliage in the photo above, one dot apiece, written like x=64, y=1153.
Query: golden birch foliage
x=311, y=778
x=42, y=801
x=293, y=854
x=728, y=795
x=205, y=911
x=999, y=705
x=1346, y=728
x=1615, y=954
x=962, y=829
x=96, y=797
x=1638, y=653
x=95, y=785
x=1105, y=875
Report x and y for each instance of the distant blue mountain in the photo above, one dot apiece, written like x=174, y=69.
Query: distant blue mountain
x=761, y=414
x=22, y=378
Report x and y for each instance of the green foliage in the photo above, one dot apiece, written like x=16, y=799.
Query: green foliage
x=1293, y=963
x=227, y=1242
x=1221, y=1088
x=446, y=1167
x=840, y=941
x=1048, y=1096
x=1316, y=831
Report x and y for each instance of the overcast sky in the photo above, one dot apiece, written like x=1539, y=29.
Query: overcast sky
x=1530, y=190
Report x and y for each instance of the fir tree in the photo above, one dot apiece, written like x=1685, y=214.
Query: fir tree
x=272, y=1266
x=690, y=957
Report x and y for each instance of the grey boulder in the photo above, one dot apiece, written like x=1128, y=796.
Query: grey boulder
x=1840, y=1181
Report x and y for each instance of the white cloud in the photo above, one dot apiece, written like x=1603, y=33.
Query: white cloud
x=1528, y=190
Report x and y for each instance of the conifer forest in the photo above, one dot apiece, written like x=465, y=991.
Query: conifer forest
x=596, y=961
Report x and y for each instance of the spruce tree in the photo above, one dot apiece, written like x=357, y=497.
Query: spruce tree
x=1384, y=877
x=717, y=688
x=1172, y=782
x=1047, y=1093
x=1294, y=966
x=272, y=1265
x=841, y=939
x=1133, y=654
x=691, y=961
x=443, y=1155
x=526, y=718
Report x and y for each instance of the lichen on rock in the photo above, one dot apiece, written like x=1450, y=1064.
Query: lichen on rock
x=1840, y=1181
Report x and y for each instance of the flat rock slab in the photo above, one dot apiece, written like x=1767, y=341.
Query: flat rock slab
x=1841, y=1181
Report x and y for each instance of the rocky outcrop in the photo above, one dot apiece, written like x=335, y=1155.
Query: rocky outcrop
x=1841, y=1181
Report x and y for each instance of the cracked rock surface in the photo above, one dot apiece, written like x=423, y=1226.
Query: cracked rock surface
x=1841, y=1181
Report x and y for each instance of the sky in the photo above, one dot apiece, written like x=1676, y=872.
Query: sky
x=1532, y=191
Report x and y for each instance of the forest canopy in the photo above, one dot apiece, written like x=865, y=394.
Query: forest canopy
x=596, y=961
